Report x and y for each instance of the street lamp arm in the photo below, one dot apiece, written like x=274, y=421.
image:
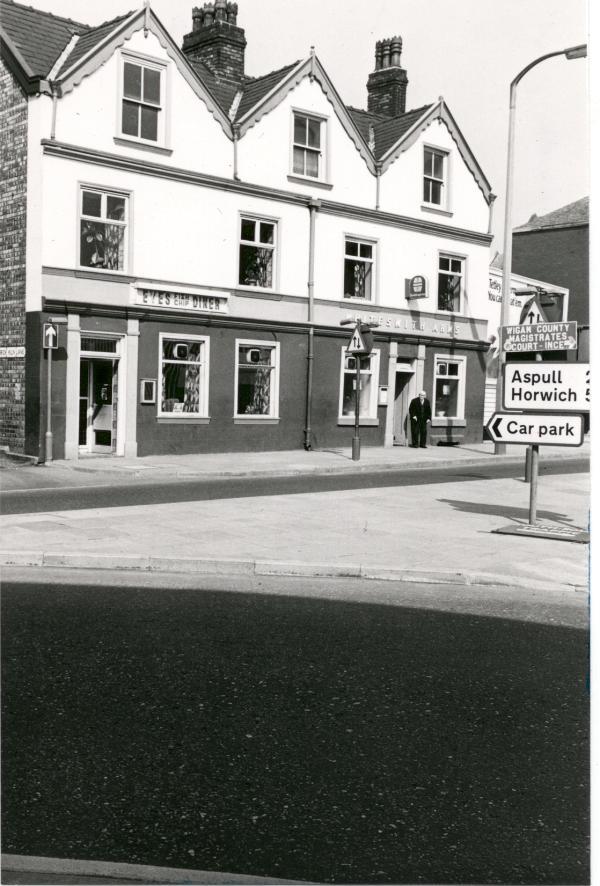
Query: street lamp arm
x=572, y=52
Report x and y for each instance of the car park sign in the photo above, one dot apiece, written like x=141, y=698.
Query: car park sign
x=528, y=429
x=547, y=387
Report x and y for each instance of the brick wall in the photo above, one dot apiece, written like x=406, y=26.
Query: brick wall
x=561, y=256
x=13, y=186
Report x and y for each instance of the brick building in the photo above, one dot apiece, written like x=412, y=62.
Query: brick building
x=556, y=247
x=202, y=234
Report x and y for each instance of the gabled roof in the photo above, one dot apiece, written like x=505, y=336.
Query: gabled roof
x=255, y=89
x=389, y=132
x=572, y=215
x=88, y=40
x=36, y=38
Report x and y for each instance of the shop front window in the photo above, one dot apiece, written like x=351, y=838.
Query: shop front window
x=449, y=387
x=184, y=376
x=369, y=373
x=257, y=367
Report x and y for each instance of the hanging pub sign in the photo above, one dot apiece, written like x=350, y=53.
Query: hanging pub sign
x=417, y=287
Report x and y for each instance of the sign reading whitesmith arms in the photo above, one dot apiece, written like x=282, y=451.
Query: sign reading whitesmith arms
x=200, y=302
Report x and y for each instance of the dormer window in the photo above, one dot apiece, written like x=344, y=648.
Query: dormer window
x=435, y=177
x=308, y=146
x=142, y=100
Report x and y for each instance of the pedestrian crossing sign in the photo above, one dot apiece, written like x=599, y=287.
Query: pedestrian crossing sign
x=361, y=341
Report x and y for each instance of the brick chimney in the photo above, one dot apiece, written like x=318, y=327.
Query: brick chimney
x=217, y=41
x=387, y=84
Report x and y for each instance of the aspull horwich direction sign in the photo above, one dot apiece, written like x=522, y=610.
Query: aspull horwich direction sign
x=544, y=430
x=547, y=387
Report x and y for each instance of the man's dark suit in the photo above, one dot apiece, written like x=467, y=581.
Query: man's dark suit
x=420, y=414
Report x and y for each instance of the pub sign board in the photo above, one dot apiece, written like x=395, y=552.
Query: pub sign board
x=417, y=287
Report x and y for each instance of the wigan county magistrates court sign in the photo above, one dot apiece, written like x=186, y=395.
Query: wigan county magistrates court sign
x=540, y=337
x=542, y=387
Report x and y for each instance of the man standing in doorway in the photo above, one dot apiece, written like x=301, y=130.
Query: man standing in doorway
x=420, y=415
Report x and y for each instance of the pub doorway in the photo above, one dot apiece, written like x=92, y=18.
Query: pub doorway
x=402, y=396
x=98, y=396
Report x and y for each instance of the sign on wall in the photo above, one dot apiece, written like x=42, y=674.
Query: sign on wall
x=196, y=302
x=417, y=287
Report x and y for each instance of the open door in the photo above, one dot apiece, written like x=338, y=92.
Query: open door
x=98, y=405
x=401, y=403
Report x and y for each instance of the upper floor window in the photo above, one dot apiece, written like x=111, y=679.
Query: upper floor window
x=103, y=230
x=450, y=283
x=308, y=146
x=257, y=252
x=434, y=177
x=359, y=261
x=142, y=107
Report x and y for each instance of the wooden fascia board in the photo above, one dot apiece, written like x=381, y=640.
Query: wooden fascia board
x=138, y=20
x=439, y=111
x=310, y=67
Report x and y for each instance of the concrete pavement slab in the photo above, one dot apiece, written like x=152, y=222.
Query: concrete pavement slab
x=434, y=531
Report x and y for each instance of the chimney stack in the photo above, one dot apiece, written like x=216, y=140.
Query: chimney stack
x=387, y=84
x=217, y=41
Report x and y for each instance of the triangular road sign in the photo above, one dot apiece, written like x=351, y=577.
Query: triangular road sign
x=360, y=343
x=532, y=312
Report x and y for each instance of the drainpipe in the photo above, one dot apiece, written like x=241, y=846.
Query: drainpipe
x=377, y=184
x=491, y=214
x=54, y=108
x=236, y=136
x=313, y=208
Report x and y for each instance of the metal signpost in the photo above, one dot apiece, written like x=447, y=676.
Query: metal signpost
x=49, y=343
x=360, y=345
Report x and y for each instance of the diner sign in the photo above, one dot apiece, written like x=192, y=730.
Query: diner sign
x=196, y=302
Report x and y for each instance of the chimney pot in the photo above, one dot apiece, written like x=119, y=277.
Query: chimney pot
x=217, y=41
x=386, y=86
x=386, y=54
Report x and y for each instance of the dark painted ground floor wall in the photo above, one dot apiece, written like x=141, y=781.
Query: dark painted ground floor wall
x=222, y=428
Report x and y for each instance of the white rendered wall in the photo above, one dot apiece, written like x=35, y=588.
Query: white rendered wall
x=265, y=155
x=89, y=116
x=402, y=184
x=178, y=232
x=400, y=255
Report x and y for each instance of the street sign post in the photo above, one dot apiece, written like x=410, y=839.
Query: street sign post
x=360, y=345
x=50, y=336
x=49, y=344
x=539, y=430
x=546, y=387
x=533, y=337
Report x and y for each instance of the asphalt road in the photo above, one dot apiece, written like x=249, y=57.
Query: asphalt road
x=29, y=501
x=312, y=736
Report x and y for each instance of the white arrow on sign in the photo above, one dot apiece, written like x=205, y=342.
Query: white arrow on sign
x=544, y=430
x=50, y=336
x=546, y=387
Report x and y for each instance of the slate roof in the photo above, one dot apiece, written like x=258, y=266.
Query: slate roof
x=388, y=132
x=39, y=37
x=570, y=216
x=256, y=88
x=88, y=40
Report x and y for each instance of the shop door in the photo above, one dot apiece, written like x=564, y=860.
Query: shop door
x=98, y=405
x=401, y=403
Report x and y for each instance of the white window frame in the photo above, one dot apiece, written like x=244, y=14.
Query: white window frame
x=274, y=397
x=463, y=276
x=361, y=241
x=321, y=151
x=185, y=337
x=440, y=359
x=258, y=219
x=151, y=397
x=370, y=416
x=144, y=61
x=428, y=176
x=105, y=192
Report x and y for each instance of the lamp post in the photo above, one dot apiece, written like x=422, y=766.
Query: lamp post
x=570, y=53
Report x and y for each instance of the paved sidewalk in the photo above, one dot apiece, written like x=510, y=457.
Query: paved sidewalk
x=435, y=532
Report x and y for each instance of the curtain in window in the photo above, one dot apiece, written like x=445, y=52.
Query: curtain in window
x=259, y=405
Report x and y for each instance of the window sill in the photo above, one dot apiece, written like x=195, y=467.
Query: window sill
x=244, y=287
x=443, y=422
x=255, y=420
x=307, y=180
x=188, y=419
x=104, y=274
x=145, y=146
x=438, y=210
x=357, y=301
x=364, y=422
